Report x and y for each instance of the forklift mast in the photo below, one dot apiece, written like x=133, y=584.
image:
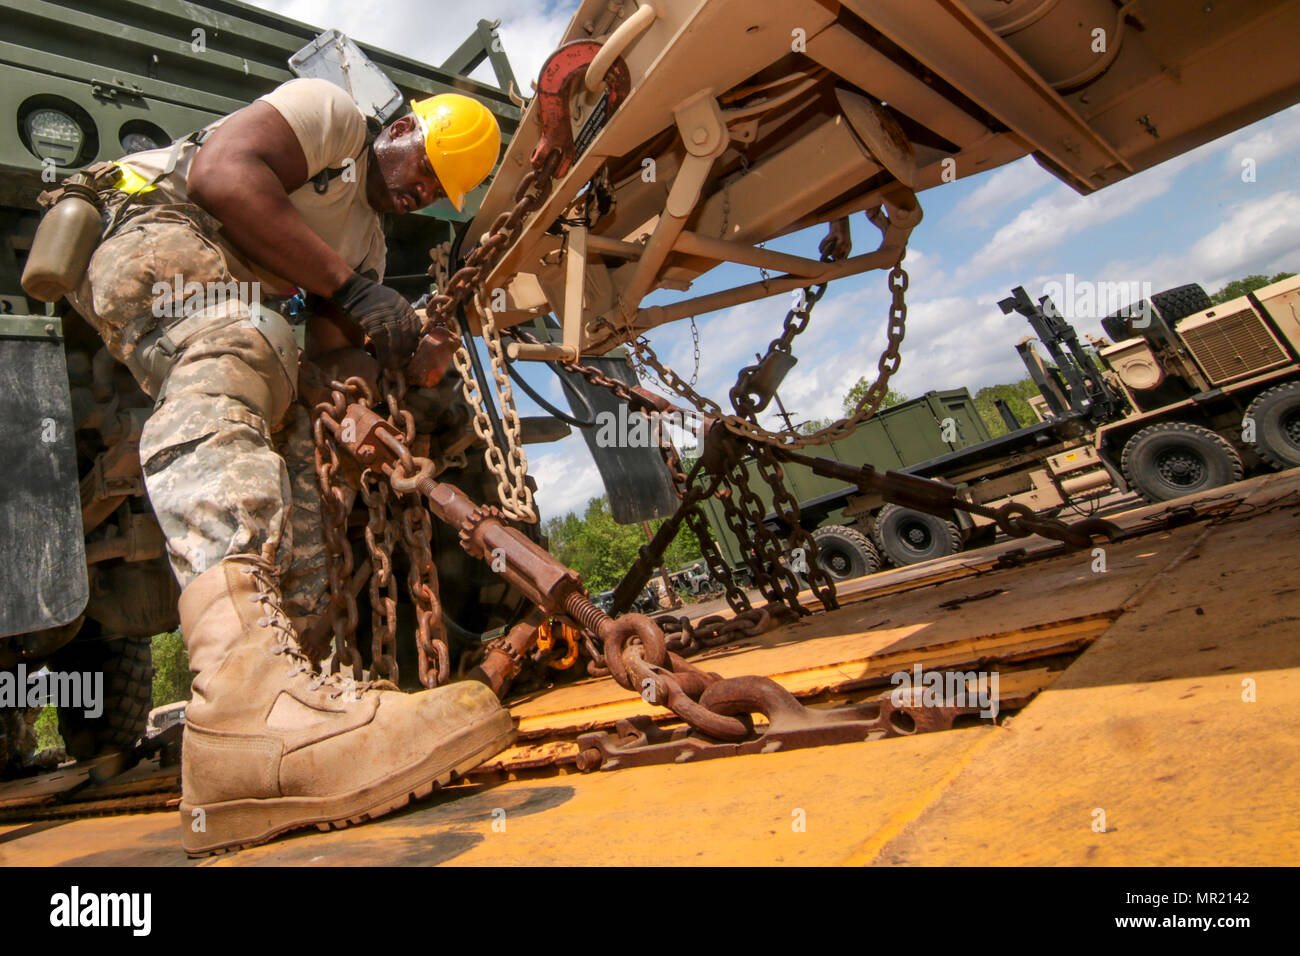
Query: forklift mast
x=1084, y=390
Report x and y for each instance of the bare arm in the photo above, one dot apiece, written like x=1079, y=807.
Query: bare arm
x=243, y=175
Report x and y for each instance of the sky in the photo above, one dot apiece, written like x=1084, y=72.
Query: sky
x=1195, y=218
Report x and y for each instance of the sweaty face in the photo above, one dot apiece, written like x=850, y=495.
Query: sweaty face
x=402, y=180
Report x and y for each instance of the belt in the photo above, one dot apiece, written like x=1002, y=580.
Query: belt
x=156, y=348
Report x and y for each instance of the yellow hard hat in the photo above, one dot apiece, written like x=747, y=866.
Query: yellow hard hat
x=462, y=139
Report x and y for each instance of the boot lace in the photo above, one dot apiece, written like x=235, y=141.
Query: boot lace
x=267, y=595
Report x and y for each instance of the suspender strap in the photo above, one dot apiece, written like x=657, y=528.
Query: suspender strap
x=321, y=181
x=135, y=185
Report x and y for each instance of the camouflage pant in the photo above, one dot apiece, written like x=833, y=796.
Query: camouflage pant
x=227, y=456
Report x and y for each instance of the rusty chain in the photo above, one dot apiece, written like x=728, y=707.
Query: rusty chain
x=867, y=406
x=761, y=550
x=685, y=636
x=719, y=570
x=633, y=648
x=510, y=466
x=799, y=542
x=334, y=512
x=416, y=537
x=511, y=470
x=380, y=540
x=749, y=396
x=422, y=582
x=331, y=427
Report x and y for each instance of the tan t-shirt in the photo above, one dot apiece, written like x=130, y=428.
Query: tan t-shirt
x=331, y=130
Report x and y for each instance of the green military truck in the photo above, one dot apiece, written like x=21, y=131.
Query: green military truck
x=84, y=581
x=936, y=424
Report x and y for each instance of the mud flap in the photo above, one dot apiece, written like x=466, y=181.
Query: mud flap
x=42, y=546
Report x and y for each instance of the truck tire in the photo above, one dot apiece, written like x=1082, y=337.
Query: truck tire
x=1173, y=304
x=1176, y=458
x=127, y=664
x=845, y=553
x=1276, y=413
x=1177, y=304
x=905, y=536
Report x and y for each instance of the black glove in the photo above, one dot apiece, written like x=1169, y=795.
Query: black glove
x=385, y=316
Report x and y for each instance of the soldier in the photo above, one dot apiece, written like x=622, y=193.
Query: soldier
x=283, y=195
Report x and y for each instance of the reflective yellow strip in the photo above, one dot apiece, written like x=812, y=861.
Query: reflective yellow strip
x=132, y=182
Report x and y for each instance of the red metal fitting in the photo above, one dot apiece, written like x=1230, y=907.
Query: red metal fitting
x=568, y=64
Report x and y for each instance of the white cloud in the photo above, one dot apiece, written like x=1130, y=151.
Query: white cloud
x=1060, y=217
x=998, y=191
x=1257, y=237
x=566, y=477
x=1063, y=215
x=1272, y=139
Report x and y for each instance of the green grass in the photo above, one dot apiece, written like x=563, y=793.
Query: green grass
x=171, y=669
x=47, y=730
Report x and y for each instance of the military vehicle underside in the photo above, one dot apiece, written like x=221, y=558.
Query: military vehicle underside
x=734, y=122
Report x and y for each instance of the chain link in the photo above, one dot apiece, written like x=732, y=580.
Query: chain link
x=512, y=477
x=800, y=541
x=380, y=540
x=867, y=406
x=633, y=648
x=334, y=513
x=511, y=465
x=687, y=637
x=416, y=531
x=383, y=508
x=422, y=582
x=689, y=512
x=695, y=347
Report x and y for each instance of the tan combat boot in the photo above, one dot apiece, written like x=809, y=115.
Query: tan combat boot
x=269, y=746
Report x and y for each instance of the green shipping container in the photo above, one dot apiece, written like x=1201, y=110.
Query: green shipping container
x=907, y=434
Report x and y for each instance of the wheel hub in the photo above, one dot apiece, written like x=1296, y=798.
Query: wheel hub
x=917, y=536
x=1291, y=428
x=1181, y=467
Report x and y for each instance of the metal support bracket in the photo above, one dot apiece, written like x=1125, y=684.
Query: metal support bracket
x=704, y=134
x=575, y=274
x=114, y=486
x=638, y=742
